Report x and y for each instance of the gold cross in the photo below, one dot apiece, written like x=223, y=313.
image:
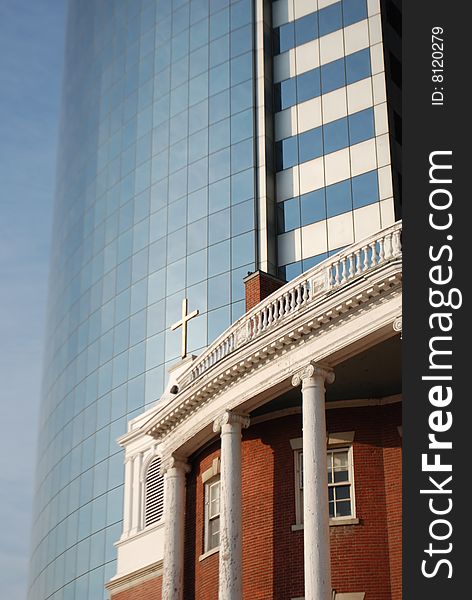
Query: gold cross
x=183, y=323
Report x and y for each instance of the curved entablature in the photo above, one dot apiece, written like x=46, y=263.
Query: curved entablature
x=338, y=289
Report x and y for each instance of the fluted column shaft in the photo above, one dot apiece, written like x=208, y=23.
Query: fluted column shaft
x=175, y=471
x=317, y=562
x=230, y=425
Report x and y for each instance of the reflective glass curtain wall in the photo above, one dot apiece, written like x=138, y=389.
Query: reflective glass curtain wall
x=155, y=202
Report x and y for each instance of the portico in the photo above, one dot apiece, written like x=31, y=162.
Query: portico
x=289, y=346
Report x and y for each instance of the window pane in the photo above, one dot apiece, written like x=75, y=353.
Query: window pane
x=335, y=136
x=354, y=11
x=313, y=207
x=288, y=215
x=284, y=38
x=285, y=94
x=333, y=76
x=308, y=85
x=338, y=198
x=330, y=18
x=343, y=509
x=358, y=65
x=365, y=189
x=306, y=29
x=361, y=126
x=310, y=144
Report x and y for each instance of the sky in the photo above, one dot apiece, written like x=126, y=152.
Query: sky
x=31, y=56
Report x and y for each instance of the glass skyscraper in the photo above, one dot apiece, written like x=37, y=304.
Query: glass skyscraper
x=200, y=140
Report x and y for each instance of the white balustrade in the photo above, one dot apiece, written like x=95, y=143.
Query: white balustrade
x=339, y=270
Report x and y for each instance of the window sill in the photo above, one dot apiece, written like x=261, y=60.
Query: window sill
x=332, y=523
x=209, y=553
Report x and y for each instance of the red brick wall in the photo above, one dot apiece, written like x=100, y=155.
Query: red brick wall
x=147, y=590
x=365, y=557
x=258, y=286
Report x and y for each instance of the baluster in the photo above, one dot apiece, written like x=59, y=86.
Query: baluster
x=269, y=314
x=286, y=303
x=337, y=271
x=365, y=250
x=358, y=265
x=373, y=255
x=388, y=246
x=292, y=299
x=381, y=250
x=344, y=269
x=304, y=291
x=275, y=309
x=396, y=242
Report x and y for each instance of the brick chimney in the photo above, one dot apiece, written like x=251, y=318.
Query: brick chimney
x=259, y=285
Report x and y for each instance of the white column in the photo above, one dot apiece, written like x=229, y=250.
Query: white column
x=175, y=470
x=128, y=496
x=137, y=486
x=317, y=561
x=230, y=425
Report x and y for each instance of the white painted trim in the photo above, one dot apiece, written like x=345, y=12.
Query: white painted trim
x=213, y=471
x=209, y=553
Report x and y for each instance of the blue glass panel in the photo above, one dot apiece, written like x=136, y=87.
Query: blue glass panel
x=219, y=195
x=242, y=249
x=358, y=66
x=219, y=106
x=333, y=76
x=242, y=217
x=241, y=13
x=284, y=38
x=219, y=78
x=285, y=94
x=286, y=153
x=310, y=144
x=308, y=263
x=198, y=35
x=361, y=126
x=219, y=24
x=218, y=321
x=219, y=291
x=354, y=11
x=288, y=215
x=219, y=50
x=241, y=96
x=197, y=267
x=365, y=189
x=241, y=68
x=292, y=270
x=219, y=258
x=313, y=207
x=330, y=18
x=338, y=198
x=335, y=135
x=242, y=126
x=241, y=41
x=306, y=29
x=308, y=85
x=219, y=226
x=242, y=186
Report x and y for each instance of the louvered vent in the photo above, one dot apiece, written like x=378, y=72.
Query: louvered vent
x=154, y=502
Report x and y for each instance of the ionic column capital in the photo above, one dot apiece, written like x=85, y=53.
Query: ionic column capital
x=230, y=417
x=174, y=461
x=313, y=371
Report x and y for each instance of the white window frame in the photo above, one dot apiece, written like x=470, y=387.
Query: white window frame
x=335, y=442
x=207, y=542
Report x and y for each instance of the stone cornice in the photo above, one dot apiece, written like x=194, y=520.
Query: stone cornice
x=312, y=321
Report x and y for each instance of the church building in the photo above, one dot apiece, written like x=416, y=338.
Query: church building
x=270, y=468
